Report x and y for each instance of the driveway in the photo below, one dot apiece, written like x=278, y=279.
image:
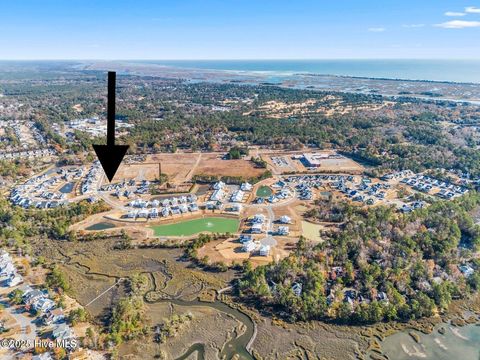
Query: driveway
x=21, y=317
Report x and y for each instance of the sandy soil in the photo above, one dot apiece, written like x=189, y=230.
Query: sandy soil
x=311, y=231
x=229, y=251
x=212, y=164
x=77, y=107
x=181, y=167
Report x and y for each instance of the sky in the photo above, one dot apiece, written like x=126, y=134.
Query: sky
x=239, y=29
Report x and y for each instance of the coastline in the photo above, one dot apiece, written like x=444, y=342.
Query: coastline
x=458, y=330
x=389, y=87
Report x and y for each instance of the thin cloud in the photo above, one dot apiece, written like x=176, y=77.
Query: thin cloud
x=454, y=13
x=411, y=26
x=459, y=24
x=472, y=10
x=376, y=29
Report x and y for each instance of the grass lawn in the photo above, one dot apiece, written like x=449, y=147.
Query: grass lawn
x=311, y=231
x=264, y=191
x=190, y=227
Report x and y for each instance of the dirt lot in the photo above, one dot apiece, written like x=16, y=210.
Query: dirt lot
x=212, y=164
x=176, y=166
x=229, y=251
x=181, y=167
x=340, y=165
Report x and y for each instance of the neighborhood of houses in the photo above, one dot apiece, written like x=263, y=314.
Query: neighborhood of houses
x=76, y=182
x=353, y=297
x=44, y=311
x=258, y=224
x=166, y=207
x=93, y=126
x=8, y=271
x=227, y=197
x=30, y=142
x=91, y=180
x=27, y=154
x=56, y=188
x=372, y=191
x=429, y=185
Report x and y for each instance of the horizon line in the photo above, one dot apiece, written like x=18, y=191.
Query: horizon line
x=243, y=59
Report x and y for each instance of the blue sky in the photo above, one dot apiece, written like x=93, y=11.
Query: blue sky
x=239, y=29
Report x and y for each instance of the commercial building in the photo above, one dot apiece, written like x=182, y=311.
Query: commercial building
x=314, y=159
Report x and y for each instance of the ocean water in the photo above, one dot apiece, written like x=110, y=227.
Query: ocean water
x=457, y=343
x=432, y=70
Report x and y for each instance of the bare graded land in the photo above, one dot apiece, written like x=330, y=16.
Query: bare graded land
x=230, y=252
x=212, y=164
x=311, y=231
x=181, y=167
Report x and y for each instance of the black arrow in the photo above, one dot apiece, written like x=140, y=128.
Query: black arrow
x=110, y=155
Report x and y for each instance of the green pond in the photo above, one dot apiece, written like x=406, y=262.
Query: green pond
x=191, y=227
x=67, y=188
x=264, y=191
x=101, y=226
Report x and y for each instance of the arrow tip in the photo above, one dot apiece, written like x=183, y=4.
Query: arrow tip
x=110, y=157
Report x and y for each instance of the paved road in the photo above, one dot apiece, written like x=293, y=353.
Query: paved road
x=20, y=317
x=269, y=239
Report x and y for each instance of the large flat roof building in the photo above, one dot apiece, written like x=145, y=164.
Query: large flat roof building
x=314, y=159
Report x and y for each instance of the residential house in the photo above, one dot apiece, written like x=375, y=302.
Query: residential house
x=264, y=250
x=217, y=195
x=285, y=219
x=246, y=187
x=283, y=230
x=14, y=280
x=297, y=289
x=63, y=332
x=245, y=238
x=43, y=304
x=54, y=316
x=466, y=270
x=237, y=196
x=257, y=228
x=258, y=219
x=218, y=185
x=249, y=246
